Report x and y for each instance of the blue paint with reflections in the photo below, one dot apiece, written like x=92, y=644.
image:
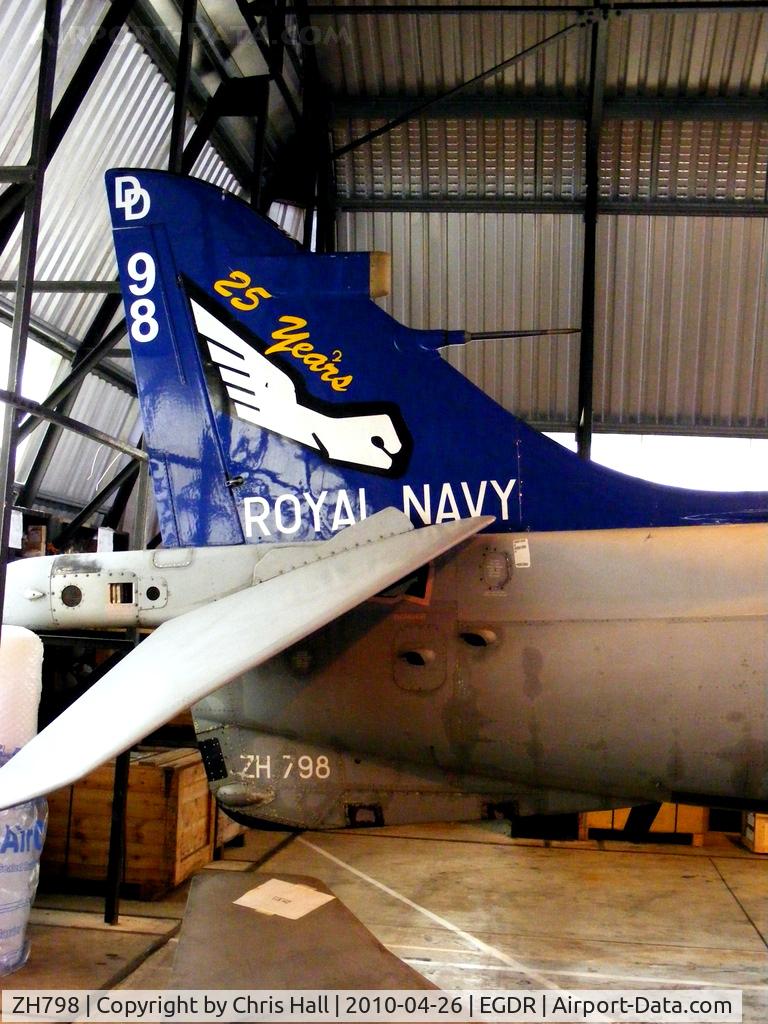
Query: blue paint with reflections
x=206, y=462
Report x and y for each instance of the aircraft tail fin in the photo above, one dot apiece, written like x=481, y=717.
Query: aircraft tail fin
x=280, y=403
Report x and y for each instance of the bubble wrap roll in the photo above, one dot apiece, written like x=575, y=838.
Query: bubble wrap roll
x=21, y=666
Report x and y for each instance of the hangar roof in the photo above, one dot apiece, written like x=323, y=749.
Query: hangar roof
x=652, y=115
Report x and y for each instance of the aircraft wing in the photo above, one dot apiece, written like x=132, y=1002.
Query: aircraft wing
x=194, y=654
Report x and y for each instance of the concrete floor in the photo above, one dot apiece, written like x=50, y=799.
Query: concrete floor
x=470, y=908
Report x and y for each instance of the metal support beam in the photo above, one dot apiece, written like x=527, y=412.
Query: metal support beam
x=116, y=853
x=93, y=336
x=71, y=381
x=38, y=411
x=642, y=7
x=263, y=44
x=259, y=144
x=464, y=204
x=239, y=97
x=317, y=118
x=93, y=506
x=158, y=42
x=417, y=8
x=589, y=270
x=68, y=287
x=183, y=71
x=558, y=108
x=68, y=106
x=622, y=207
x=276, y=36
x=116, y=512
x=29, y=237
x=139, y=529
x=19, y=174
x=419, y=109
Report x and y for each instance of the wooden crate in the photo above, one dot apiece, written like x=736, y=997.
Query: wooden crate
x=672, y=818
x=227, y=829
x=170, y=823
x=754, y=832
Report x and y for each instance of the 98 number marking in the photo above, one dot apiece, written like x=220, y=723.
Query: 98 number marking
x=308, y=767
x=141, y=270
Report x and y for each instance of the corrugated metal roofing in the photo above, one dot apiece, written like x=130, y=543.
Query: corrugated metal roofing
x=706, y=53
x=684, y=160
x=81, y=467
x=409, y=54
x=124, y=120
x=472, y=157
x=650, y=53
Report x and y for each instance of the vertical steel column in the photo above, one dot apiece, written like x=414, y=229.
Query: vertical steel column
x=594, y=126
x=183, y=70
x=116, y=855
x=28, y=255
x=262, y=113
x=319, y=207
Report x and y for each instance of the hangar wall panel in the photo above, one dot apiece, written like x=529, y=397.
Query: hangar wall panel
x=681, y=315
x=682, y=318
x=485, y=272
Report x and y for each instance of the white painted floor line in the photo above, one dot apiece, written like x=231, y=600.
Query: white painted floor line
x=632, y=978
x=429, y=949
x=540, y=980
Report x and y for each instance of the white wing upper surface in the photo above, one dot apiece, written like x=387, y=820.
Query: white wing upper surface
x=189, y=657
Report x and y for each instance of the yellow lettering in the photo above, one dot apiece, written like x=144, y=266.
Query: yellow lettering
x=280, y=346
x=315, y=362
x=236, y=279
x=292, y=339
x=289, y=333
x=253, y=295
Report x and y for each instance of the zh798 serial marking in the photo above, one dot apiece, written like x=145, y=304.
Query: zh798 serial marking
x=256, y=766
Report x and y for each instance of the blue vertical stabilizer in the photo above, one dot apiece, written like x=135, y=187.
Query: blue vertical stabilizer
x=281, y=403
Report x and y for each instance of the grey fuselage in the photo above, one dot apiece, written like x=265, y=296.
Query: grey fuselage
x=556, y=670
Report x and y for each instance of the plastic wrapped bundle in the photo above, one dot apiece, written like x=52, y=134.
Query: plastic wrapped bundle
x=22, y=828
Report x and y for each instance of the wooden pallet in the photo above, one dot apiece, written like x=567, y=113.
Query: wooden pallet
x=754, y=832
x=170, y=823
x=672, y=819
